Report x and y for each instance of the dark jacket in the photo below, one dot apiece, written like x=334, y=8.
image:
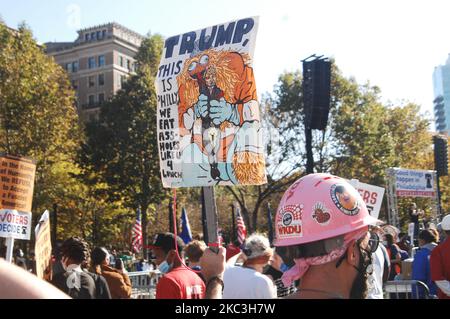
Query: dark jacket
x=85, y=291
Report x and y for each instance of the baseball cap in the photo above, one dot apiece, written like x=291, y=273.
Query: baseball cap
x=445, y=223
x=257, y=245
x=166, y=242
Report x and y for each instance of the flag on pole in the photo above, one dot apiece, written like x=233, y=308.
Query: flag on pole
x=241, y=229
x=186, y=234
x=136, y=237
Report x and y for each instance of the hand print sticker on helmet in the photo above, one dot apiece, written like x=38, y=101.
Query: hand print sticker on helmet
x=345, y=199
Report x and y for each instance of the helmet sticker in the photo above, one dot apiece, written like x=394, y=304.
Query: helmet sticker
x=321, y=214
x=289, y=222
x=345, y=199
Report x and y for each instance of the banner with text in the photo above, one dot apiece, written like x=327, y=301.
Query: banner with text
x=372, y=196
x=43, y=247
x=16, y=182
x=15, y=224
x=414, y=183
x=209, y=128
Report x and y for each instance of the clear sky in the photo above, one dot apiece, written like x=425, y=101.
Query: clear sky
x=394, y=44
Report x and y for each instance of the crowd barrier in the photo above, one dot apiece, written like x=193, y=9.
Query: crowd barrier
x=144, y=284
x=407, y=289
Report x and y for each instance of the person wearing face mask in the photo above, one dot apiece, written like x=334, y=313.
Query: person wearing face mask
x=322, y=230
x=179, y=281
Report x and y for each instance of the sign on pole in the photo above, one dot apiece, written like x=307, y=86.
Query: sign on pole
x=16, y=196
x=43, y=247
x=15, y=224
x=414, y=183
x=208, y=117
x=372, y=196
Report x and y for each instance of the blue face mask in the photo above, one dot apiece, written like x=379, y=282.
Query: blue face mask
x=164, y=267
x=284, y=267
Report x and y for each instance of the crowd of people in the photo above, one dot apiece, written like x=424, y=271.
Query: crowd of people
x=326, y=245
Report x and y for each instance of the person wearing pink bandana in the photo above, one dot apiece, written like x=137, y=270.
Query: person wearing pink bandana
x=322, y=233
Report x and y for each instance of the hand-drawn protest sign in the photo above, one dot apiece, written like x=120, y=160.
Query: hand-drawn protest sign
x=16, y=196
x=209, y=129
x=43, y=247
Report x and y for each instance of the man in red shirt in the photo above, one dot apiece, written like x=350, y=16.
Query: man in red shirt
x=440, y=262
x=178, y=282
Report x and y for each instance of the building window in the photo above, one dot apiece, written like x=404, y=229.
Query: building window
x=92, y=35
x=91, y=63
x=75, y=66
x=91, y=100
x=99, y=35
x=103, y=34
x=87, y=37
x=68, y=67
x=91, y=81
x=121, y=61
x=101, y=98
x=101, y=79
x=128, y=65
x=101, y=60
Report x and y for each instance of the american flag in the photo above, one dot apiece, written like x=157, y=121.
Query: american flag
x=136, y=237
x=241, y=229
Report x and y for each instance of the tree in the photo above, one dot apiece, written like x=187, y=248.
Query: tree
x=122, y=145
x=37, y=114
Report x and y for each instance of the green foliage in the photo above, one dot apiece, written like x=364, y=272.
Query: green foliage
x=122, y=145
x=37, y=114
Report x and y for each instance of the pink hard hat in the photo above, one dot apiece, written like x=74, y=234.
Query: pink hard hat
x=317, y=207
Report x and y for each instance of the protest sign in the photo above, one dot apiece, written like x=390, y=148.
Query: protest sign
x=209, y=129
x=43, y=247
x=16, y=183
x=414, y=183
x=372, y=196
x=15, y=224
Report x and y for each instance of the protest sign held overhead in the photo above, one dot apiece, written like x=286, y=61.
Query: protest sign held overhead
x=16, y=182
x=209, y=129
x=43, y=247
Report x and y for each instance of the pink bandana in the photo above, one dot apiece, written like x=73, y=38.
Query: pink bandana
x=302, y=264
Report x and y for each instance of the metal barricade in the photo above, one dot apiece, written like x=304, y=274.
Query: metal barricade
x=144, y=284
x=407, y=289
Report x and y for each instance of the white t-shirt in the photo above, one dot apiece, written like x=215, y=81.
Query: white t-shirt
x=246, y=283
x=375, y=280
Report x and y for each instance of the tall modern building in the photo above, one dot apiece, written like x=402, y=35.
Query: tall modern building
x=441, y=85
x=98, y=62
